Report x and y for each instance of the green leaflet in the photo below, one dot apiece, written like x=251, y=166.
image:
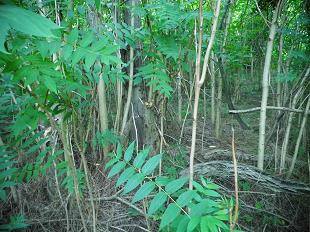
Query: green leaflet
x=169, y=215
x=90, y=59
x=111, y=163
x=24, y=21
x=185, y=198
x=222, y=215
x=157, y=202
x=73, y=36
x=116, y=169
x=208, y=183
x=4, y=28
x=128, y=173
x=193, y=223
x=210, y=223
x=162, y=180
x=133, y=182
x=140, y=158
x=198, y=187
x=203, y=207
x=87, y=40
x=175, y=185
x=119, y=151
x=129, y=152
x=182, y=224
x=144, y=191
x=212, y=193
x=78, y=55
x=50, y=84
x=151, y=164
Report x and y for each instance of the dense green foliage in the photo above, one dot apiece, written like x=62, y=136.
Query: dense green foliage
x=53, y=58
x=206, y=209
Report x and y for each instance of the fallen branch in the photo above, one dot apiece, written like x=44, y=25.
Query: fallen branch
x=269, y=108
x=226, y=169
x=243, y=157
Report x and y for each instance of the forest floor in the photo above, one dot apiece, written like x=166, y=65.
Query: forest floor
x=266, y=201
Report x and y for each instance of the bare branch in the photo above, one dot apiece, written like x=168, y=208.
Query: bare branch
x=269, y=108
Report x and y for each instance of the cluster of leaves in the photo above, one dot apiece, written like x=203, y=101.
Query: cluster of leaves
x=8, y=172
x=27, y=23
x=89, y=48
x=179, y=209
x=35, y=82
x=157, y=77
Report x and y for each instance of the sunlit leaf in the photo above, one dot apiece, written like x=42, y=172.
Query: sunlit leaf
x=157, y=202
x=117, y=168
x=126, y=175
x=144, y=191
x=151, y=164
x=133, y=182
x=175, y=185
x=129, y=152
x=169, y=215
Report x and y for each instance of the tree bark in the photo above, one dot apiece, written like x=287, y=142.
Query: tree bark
x=265, y=83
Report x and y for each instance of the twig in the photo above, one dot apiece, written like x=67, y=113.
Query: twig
x=130, y=205
x=116, y=197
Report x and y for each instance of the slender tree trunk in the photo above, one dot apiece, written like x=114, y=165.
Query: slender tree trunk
x=265, y=83
x=179, y=88
x=131, y=72
x=218, y=106
x=212, y=76
x=129, y=95
x=119, y=85
x=279, y=71
x=200, y=80
x=288, y=131
x=302, y=127
x=103, y=115
x=225, y=23
x=95, y=22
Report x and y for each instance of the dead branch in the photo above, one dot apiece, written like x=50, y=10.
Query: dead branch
x=269, y=108
x=225, y=169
